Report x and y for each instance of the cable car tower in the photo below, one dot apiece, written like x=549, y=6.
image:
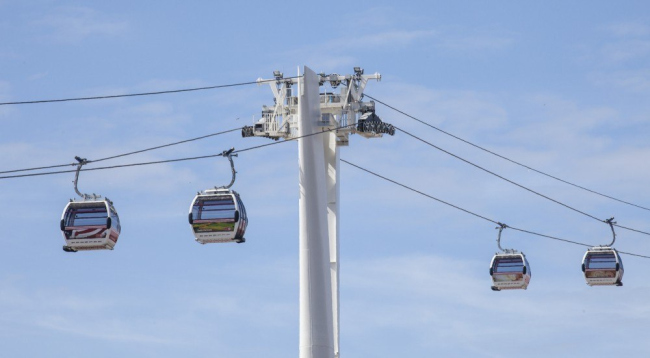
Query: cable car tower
x=322, y=122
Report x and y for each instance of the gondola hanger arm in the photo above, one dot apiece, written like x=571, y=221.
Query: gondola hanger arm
x=82, y=162
x=611, y=223
x=501, y=227
x=228, y=154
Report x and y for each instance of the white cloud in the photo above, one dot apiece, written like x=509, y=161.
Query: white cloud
x=122, y=317
x=37, y=76
x=56, y=309
x=630, y=80
x=626, y=50
x=343, y=51
x=475, y=42
x=74, y=24
x=114, y=330
x=10, y=55
x=387, y=39
x=629, y=29
x=626, y=42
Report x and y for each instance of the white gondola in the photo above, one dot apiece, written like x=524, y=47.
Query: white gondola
x=218, y=215
x=602, y=265
x=89, y=224
x=509, y=269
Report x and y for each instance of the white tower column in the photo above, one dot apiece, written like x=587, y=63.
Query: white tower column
x=316, y=322
x=333, y=194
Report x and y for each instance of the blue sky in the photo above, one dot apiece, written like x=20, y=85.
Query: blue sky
x=561, y=87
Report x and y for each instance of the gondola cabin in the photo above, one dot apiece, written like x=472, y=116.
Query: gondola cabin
x=510, y=271
x=602, y=266
x=90, y=225
x=218, y=215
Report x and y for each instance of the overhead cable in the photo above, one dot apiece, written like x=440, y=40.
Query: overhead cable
x=169, y=160
x=506, y=158
x=167, y=145
x=111, y=167
x=475, y=214
x=515, y=183
x=122, y=155
x=419, y=192
x=137, y=94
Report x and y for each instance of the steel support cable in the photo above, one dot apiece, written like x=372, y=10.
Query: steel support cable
x=140, y=94
x=506, y=158
x=515, y=183
x=167, y=145
x=419, y=192
x=111, y=167
x=125, y=154
x=475, y=214
x=170, y=160
x=573, y=242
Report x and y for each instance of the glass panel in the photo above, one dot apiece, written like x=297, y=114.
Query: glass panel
x=620, y=262
x=213, y=226
x=242, y=209
x=606, y=260
x=214, y=209
x=87, y=216
x=243, y=219
x=508, y=264
x=214, y=214
x=115, y=220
